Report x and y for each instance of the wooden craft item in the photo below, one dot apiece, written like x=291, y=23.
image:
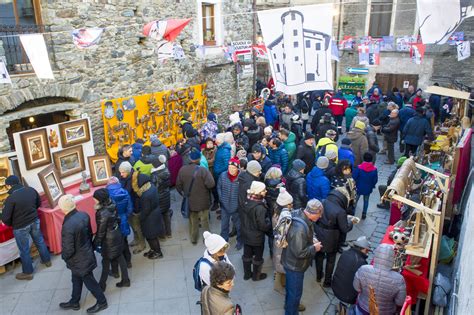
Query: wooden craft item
x=190, y=92
x=137, y=122
x=110, y=136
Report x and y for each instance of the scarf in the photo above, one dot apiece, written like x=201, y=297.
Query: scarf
x=142, y=189
x=255, y=197
x=232, y=177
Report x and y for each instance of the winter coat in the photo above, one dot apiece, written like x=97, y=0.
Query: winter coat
x=21, y=207
x=317, y=184
x=296, y=187
x=350, y=113
x=290, y=146
x=161, y=178
x=317, y=118
x=76, y=243
x=285, y=120
x=323, y=128
x=254, y=222
x=338, y=105
x=416, y=102
x=435, y=103
x=389, y=285
x=326, y=144
x=210, y=155
x=299, y=253
x=120, y=160
x=243, y=140
x=186, y=126
x=264, y=161
x=145, y=164
x=349, y=262
x=216, y=302
x=363, y=119
x=273, y=190
x=279, y=156
x=390, y=131
x=307, y=154
x=346, y=154
x=372, y=141
x=359, y=144
x=199, y=198
x=330, y=171
x=137, y=151
x=277, y=251
x=209, y=130
x=151, y=218
x=127, y=185
x=221, y=159
x=373, y=112
x=108, y=235
x=254, y=135
x=158, y=148
x=416, y=129
x=124, y=205
x=405, y=114
x=270, y=112
x=228, y=192
x=245, y=181
x=366, y=177
x=334, y=221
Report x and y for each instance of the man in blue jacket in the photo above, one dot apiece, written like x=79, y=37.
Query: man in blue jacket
x=222, y=157
x=415, y=131
x=270, y=112
x=317, y=184
x=277, y=154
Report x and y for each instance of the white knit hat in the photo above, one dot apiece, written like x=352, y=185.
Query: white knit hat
x=331, y=154
x=125, y=167
x=213, y=242
x=284, y=198
x=220, y=137
x=267, y=129
x=66, y=203
x=229, y=137
x=256, y=188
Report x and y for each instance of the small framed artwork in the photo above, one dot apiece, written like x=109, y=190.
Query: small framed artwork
x=100, y=169
x=35, y=148
x=69, y=161
x=52, y=186
x=74, y=132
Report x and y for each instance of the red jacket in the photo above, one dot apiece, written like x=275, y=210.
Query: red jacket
x=337, y=106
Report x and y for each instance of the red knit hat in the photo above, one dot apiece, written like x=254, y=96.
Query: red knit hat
x=234, y=161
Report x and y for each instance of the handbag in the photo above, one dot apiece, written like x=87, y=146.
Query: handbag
x=185, y=202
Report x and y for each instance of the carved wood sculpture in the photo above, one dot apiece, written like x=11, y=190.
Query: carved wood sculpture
x=373, y=308
x=110, y=135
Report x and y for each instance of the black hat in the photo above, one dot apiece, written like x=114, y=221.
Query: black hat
x=308, y=135
x=256, y=148
x=346, y=142
x=102, y=195
x=12, y=180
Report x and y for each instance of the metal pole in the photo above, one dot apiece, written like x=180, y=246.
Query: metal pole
x=254, y=42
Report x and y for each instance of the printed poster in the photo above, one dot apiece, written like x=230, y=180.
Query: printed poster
x=37, y=53
x=464, y=50
x=86, y=37
x=417, y=52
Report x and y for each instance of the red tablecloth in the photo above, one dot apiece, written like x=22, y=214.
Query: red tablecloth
x=414, y=284
x=52, y=219
x=6, y=233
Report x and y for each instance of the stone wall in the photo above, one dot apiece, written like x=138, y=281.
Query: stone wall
x=124, y=63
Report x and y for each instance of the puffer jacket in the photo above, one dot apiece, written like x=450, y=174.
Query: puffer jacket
x=137, y=151
x=373, y=112
x=349, y=262
x=145, y=164
x=108, y=236
x=161, y=178
x=120, y=160
x=242, y=139
x=209, y=130
x=279, y=156
x=186, y=126
x=215, y=301
x=317, y=184
x=334, y=221
x=350, y=113
x=415, y=130
x=254, y=222
x=290, y=146
x=273, y=190
x=228, y=192
x=317, y=118
x=222, y=158
x=307, y=154
x=372, y=141
x=264, y=161
x=405, y=114
x=360, y=144
x=199, y=198
x=245, y=181
x=21, y=207
x=299, y=253
x=210, y=155
x=296, y=186
x=389, y=285
x=338, y=104
x=346, y=153
x=362, y=118
x=254, y=132
x=124, y=205
x=366, y=177
x=151, y=218
x=76, y=241
x=391, y=130
x=270, y=112
x=158, y=148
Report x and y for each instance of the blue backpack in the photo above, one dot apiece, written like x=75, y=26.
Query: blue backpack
x=198, y=285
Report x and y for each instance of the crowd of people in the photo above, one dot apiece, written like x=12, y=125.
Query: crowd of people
x=287, y=175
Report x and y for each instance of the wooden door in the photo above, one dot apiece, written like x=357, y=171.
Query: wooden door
x=387, y=81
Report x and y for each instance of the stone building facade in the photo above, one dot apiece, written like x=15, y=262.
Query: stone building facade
x=125, y=63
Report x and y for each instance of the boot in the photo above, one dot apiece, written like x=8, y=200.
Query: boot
x=123, y=283
x=247, y=267
x=278, y=283
x=257, y=271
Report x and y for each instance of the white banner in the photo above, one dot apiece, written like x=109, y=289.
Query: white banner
x=299, y=47
x=4, y=76
x=36, y=51
x=438, y=19
x=464, y=50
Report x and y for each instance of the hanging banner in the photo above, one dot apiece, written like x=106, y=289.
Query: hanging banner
x=165, y=30
x=369, y=55
x=299, y=47
x=417, y=52
x=404, y=43
x=86, y=37
x=229, y=53
x=334, y=51
x=260, y=51
x=37, y=53
x=464, y=50
x=365, y=40
x=387, y=43
x=347, y=43
x=243, y=49
x=439, y=19
x=4, y=76
x=456, y=37
x=164, y=50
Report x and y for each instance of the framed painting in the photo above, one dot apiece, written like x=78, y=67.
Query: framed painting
x=101, y=171
x=52, y=186
x=35, y=148
x=74, y=132
x=69, y=161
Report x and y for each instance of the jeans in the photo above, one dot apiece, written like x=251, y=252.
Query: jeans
x=330, y=263
x=366, y=203
x=294, y=291
x=410, y=148
x=106, y=266
x=194, y=218
x=22, y=238
x=225, y=223
x=91, y=285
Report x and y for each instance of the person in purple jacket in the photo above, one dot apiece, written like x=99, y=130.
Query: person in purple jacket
x=365, y=176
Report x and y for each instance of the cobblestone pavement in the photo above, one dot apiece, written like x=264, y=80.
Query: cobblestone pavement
x=166, y=286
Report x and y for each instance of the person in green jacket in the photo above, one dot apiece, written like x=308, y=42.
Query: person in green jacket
x=145, y=163
x=288, y=138
x=350, y=113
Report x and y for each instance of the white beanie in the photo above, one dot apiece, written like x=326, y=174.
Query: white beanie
x=220, y=138
x=254, y=168
x=267, y=129
x=229, y=137
x=256, y=188
x=213, y=242
x=66, y=203
x=331, y=154
x=125, y=167
x=284, y=198
x=234, y=119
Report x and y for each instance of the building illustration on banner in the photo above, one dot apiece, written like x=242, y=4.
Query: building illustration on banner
x=307, y=54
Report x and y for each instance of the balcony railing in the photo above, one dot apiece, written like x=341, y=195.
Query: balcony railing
x=16, y=58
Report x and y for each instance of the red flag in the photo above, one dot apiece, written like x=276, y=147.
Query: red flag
x=167, y=30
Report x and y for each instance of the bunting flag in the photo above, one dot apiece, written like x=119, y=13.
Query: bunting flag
x=417, y=52
x=260, y=51
x=365, y=40
x=404, y=43
x=334, y=51
x=86, y=37
x=37, y=53
x=464, y=50
x=165, y=30
x=347, y=43
x=369, y=55
x=4, y=76
x=229, y=53
x=387, y=43
x=439, y=19
x=456, y=37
